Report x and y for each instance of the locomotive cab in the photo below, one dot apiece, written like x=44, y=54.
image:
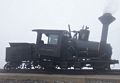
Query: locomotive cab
x=49, y=47
x=49, y=42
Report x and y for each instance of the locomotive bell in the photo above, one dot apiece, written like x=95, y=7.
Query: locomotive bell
x=106, y=20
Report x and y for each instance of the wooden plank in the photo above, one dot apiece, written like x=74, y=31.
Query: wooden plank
x=51, y=78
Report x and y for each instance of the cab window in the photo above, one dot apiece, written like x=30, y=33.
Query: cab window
x=44, y=39
x=53, y=39
x=49, y=39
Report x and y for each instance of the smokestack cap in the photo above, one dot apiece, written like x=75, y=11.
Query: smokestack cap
x=107, y=18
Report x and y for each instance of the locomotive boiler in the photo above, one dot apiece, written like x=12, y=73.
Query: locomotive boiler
x=58, y=49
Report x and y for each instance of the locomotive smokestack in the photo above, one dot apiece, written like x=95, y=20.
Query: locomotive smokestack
x=106, y=20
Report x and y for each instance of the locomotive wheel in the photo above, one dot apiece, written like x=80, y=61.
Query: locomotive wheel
x=51, y=67
x=36, y=65
x=77, y=66
x=98, y=69
x=7, y=66
x=64, y=66
x=27, y=65
x=107, y=66
x=19, y=67
x=12, y=65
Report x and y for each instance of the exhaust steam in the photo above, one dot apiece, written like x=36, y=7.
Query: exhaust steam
x=111, y=6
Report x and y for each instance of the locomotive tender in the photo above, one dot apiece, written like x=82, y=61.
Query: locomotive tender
x=57, y=49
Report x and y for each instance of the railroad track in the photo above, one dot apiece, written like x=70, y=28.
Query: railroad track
x=66, y=72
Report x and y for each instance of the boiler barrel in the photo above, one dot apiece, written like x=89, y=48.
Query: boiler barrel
x=87, y=44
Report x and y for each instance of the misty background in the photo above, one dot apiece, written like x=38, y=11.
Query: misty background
x=19, y=17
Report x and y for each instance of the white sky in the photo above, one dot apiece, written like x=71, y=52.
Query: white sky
x=19, y=17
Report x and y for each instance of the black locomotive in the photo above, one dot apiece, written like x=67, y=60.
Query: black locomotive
x=57, y=49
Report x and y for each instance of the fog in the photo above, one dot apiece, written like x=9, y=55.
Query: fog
x=19, y=17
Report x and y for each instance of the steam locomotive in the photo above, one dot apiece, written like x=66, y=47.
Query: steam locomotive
x=58, y=49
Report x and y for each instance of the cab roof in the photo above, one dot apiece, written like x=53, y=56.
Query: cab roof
x=49, y=31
